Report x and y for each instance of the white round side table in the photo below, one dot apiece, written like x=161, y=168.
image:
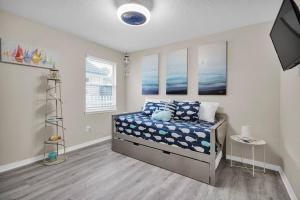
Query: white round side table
x=252, y=142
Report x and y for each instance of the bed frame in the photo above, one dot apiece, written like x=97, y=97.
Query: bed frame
x=196, y=165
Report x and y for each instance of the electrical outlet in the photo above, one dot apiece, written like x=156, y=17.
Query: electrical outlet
x=88, y=129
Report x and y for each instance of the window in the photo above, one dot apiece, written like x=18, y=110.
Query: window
x=100, y=85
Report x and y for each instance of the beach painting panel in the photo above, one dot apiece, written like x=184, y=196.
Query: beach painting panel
x=177, y=72
x=212, y=69
x=150, y=80
x=22, y=54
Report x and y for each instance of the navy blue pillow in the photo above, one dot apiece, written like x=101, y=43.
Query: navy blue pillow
x=187, y=110
x=150, y=107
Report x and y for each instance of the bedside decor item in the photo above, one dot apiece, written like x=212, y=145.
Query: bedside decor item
x=253, y=143
x=246, y=131
x=212, y=69
x=150, y=81
x=54, y=120
x=22, y=54
x=177, y=72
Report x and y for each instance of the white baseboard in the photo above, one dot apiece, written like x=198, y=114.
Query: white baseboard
x=89, y=143
x=21, y=163
x=271, y=167
x=14, y=165
x=256, y=163
x=287, y=185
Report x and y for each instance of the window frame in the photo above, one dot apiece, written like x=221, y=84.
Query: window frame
x=114, y=86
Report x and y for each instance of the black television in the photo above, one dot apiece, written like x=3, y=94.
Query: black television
x=285, y=35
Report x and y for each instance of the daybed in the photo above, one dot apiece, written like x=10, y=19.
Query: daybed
x=193, y=149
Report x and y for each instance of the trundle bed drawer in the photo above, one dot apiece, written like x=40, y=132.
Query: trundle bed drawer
x=179, y=164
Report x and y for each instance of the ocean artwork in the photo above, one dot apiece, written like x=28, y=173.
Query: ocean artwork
x=177, y=72
x=17, y=53
x=150, y=81
x=212, y=69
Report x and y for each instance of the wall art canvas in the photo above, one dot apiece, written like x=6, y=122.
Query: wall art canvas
x=177, y=72
x=22, y=54
x=212, y=69
x=150, y=78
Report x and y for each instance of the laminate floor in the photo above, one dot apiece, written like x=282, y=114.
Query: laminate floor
x=98, y=173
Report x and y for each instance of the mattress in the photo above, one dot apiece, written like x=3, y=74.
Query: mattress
x=193, y=135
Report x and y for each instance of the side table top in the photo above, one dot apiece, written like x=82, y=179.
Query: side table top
x=247, y=140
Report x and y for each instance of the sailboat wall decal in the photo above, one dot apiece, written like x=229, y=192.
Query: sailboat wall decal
x=19, y=55
x=22, y=54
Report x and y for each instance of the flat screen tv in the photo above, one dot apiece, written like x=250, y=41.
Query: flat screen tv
x=285, y=34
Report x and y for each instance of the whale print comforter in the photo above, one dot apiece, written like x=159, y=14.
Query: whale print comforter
x=193, y=135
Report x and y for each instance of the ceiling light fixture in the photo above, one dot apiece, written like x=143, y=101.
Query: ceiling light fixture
x=133, y=14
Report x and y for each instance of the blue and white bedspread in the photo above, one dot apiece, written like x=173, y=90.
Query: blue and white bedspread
x=194, y=135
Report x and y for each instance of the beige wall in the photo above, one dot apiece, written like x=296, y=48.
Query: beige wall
x=22, y=96
x=253, y=83
x=290, y=129
x=289, y=124
x=253, y=95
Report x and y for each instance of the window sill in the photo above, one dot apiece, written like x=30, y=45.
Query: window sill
x=100, y=112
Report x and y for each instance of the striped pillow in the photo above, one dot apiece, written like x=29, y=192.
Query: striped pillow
x=171, y=107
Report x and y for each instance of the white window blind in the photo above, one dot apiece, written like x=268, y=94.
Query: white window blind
x=100, y=85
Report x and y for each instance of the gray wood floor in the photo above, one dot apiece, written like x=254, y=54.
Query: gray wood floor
x=98, y=173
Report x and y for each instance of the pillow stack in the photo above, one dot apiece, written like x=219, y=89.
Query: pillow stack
x=181, y=110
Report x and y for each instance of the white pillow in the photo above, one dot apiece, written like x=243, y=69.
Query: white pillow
x=208, y=111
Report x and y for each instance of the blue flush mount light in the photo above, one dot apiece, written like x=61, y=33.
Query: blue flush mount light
x=133, y=14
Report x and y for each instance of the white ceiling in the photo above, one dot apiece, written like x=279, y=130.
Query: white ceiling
x=171, y=20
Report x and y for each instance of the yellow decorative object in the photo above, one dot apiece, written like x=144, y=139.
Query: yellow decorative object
x=55, y=137
x=36, y=57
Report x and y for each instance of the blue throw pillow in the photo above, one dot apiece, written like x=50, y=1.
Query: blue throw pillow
x=187, y=110
x=150, y=107
x=162, y=115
